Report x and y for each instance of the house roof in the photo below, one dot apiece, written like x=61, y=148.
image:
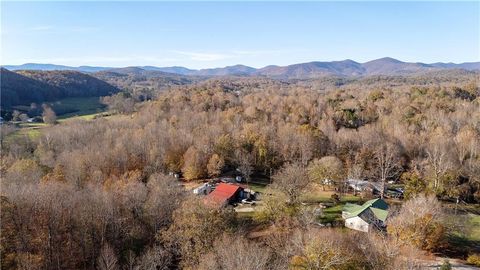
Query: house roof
x=378, y=206
x=379, y=213
x=222, y=193
x=350, y=207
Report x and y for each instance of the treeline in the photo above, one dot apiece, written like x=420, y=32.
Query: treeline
x=92, y=193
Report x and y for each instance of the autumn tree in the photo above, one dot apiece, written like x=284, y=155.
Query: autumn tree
x=215, y=165
x=49, y=115
x=324, y=250
x=194, y=164
x=156, y=257
x=235, y=252
x=325, y=170
x=291, y=180
x=194, y=229
x=420, y=223
x=414, y=184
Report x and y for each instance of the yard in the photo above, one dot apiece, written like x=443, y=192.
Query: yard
x=70, y=107
x=67, y=109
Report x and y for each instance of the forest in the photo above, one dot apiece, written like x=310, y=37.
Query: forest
x=97, y=194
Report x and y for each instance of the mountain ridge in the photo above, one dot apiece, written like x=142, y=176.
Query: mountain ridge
x=346, y=68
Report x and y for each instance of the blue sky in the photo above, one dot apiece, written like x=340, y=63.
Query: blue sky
x=215, y=34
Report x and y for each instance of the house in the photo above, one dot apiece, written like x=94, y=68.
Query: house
x=204, y=189
x=361, y=185
x=371, y=215
x=223, y=194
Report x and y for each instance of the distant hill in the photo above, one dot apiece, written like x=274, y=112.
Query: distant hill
x=27, y=86
x=389, y=66
x=466, y=66
x=135, y=78
x=346, y=68
x=175, y=69
x=237, y=70
x=50, y=67
x=138, y=71
x=314, y=69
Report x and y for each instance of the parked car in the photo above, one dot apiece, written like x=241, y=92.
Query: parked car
x=247, y=201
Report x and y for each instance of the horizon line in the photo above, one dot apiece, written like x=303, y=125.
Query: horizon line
x=238, y=64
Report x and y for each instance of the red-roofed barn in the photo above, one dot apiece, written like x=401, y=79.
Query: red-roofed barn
x=223, y=194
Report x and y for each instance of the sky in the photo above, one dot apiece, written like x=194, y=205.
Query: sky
x=217, y=34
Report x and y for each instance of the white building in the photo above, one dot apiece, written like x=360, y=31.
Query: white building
x=203, y=189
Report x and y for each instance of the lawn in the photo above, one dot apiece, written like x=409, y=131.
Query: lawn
x=465, y=239
x=474, y=234
x=318, y=195
x=331, y=214
x=67, y=109
x=257, y=187
x=70, y=107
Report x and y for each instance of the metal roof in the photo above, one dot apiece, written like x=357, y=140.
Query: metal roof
x=222, y=194
x=378, y=206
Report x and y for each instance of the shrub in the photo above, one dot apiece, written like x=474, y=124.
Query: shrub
x=474, y=259
x=446, y=265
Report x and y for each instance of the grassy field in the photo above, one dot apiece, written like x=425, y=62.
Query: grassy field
x=257, y=187
x=474, y=234
x=464, y=240
x=70, y=107
x=66, y=109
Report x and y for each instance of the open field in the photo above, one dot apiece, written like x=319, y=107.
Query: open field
x=70, y=107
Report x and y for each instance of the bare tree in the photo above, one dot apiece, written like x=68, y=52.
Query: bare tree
x=387, y=162
x=107, y=260
x=49, y=115
x=292, y=179
x=244, y=160
x=325, y=249
x=235, y=252
x=439, y=159
x=157, y=258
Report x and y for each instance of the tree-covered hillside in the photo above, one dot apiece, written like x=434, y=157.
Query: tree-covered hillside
x=26, y=87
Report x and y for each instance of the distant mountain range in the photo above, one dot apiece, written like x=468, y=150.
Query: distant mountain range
x=345, y=68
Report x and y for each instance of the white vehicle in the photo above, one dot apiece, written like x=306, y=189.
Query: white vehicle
x=246, y=201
